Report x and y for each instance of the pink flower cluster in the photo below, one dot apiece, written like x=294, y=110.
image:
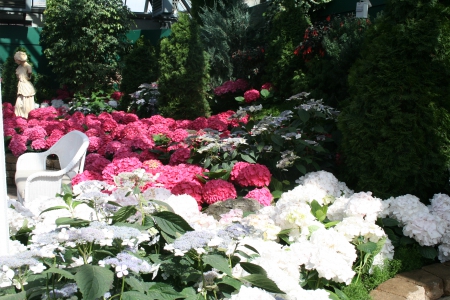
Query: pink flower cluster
x=247, y=174
x=251, y=95
x=121, y=142
x=229, y=87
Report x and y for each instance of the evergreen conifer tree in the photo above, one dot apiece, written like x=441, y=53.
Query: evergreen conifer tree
x=183, y=72
x=396, y=128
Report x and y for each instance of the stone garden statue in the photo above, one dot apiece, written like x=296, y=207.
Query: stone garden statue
x=25, y=89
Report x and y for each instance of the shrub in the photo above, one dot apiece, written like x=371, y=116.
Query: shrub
x=330, y=48
x=286, y=20
x=223, y=31
x=84, y=40
x=141, y=65
x=183, y=72
x=396, y=127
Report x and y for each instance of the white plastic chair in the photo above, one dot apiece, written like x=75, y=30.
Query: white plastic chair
x=32, y=178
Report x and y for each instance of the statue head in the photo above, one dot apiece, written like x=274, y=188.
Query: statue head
x=20, y=56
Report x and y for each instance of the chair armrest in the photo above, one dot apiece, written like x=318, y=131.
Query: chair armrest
x=32, y=161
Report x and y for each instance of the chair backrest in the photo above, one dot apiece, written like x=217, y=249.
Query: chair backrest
x=71, y=150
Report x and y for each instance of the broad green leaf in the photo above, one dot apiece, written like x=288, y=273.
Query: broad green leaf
x=301, y=168
x=428, y=252
x=61, y=272
x=171, y=223
x=216, y=174
x=331, y=224
x=162, y=291
x=303, y=115
x=341, y=294
x=124, y=213
x=247, y=158
x=218, y=262
x=54, y=208
x=189, y=293
x=253, y=269
x=251, y=248
x=66, y=189
x=389, y=222
x=93, y=281
x=368, y=247
x=231, y=282
x=404, y=240
x=263, y=282
x=163, y=204
x=239, y=99
x=265, y=93
x=71, y=222
x=315, y=206
x=137, y=284
x=333, y=296
x=135, y=295
x=19, y=296
x=277, y=194
x=277, y=139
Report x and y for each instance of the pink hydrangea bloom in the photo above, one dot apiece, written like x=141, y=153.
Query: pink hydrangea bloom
x=54, y=137
x=129, y=118
x=92, y=121
x=262, y=195
x=35, y=133
x=116, y=95
x=118, y=115
x=127, y=164
x=171, y=175
x=251, y=95
x=218, y=190
x=199, y=123
x=108, y=124
x=151, y=164
x=231, y=87
x=192, y=188
x=18, y=144
x=178, y=135
x=95, y=162
x=86, y=175
x=217, y=123
x=94, y=143
x=183, y=124
x=246, y=174
x=39, y=144
x=180, y=156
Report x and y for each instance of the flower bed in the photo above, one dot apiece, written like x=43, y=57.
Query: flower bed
x=131, y=227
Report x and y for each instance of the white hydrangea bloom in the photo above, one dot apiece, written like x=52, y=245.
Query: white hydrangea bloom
x=246, y=293
x=387, y=252
x=160, y=194
x=296, y=215
x=444, y=248
x=183, y=205
x=326, y=182
x=405, y=208
x=335, y=211
x=263, y=224
x=440, y=206
x=364, y=205
x=353, y=227
x=425, y=228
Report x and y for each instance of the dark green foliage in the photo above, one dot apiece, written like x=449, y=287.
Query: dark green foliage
x=356, y=291
x=341, y=43
x=83, y=41
x=395, y=129
x=284, y=33
x=45, y=88
x=223, y=32
x=410, y=257
x=141, y=66
x=183, y=72
x=9, y=78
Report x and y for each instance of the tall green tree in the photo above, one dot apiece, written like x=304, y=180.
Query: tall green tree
x=183, y=72
x=84, y=40
x=224, y=31
x=396, y=128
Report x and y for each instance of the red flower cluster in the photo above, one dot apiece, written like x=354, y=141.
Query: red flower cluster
x=251, y=95
x=218, y=190
x=239, y=85
x=116, y=95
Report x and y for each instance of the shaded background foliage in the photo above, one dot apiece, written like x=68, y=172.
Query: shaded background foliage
x=397, y=123
x=183, y=65
x=84, y=40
